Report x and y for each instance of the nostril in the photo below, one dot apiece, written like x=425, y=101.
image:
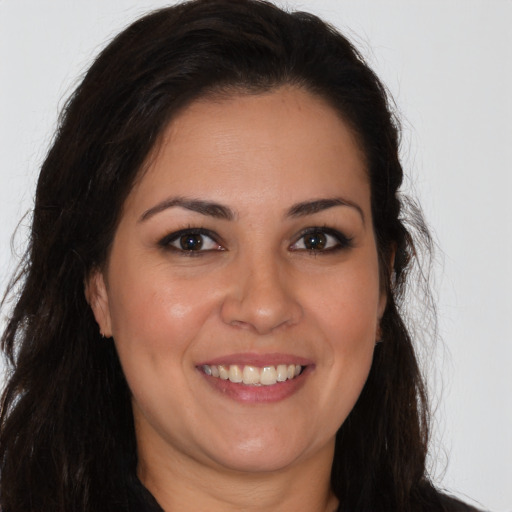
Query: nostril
x=261, y=320
x=259, y=299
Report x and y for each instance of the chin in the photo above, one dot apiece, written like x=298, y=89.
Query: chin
x=263, y=453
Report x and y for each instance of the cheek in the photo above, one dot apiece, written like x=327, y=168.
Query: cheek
x=346, y=319
x=346, y=313
x=347, y=305
x=157, y=314
x=156, y=324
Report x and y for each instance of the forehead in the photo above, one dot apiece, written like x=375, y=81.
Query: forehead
x=281, y=143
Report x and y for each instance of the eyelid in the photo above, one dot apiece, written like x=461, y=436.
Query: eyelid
x=168, y=239
x=344, y=242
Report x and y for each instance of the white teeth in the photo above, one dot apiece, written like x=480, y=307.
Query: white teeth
x=223, y=372
x=252, y=375
x=282, y=373
x=235, y=374
x=268, y=376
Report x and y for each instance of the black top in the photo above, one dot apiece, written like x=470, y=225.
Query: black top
x=452, y=504
x=141, y=500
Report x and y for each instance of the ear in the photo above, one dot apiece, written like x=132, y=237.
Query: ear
x=386, y=289
x=383, y=299
x=97, y=296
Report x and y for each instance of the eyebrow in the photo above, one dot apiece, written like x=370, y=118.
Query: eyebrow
x=207, y=208
x=219, y=211
x=318, y=205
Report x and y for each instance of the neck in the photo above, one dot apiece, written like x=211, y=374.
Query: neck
x=188, y=485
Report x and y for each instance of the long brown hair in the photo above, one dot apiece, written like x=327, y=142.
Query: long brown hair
x=67, y=439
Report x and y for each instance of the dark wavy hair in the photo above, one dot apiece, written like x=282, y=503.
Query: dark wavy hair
x=67, y=438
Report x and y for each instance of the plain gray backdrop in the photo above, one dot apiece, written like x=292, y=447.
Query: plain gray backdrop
x=448, y=65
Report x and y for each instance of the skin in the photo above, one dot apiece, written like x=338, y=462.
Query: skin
x=255, y=289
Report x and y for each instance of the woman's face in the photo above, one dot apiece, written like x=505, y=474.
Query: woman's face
x=245, y=255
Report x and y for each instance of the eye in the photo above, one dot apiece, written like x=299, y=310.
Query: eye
x=191, y=240
x=321, y=240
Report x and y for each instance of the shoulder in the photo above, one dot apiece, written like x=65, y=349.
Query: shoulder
x=451, y=504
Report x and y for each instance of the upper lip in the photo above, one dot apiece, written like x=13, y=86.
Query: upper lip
x=258, y=360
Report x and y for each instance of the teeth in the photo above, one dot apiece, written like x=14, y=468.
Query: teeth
x=235, y=374
x=223, y=372
x=282, y=373
x=252, y=375
x=268, y=376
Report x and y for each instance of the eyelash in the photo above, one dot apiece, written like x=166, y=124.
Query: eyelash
x=169, y=239
x=342, y=241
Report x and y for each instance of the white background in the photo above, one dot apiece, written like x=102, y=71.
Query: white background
x=448, y=65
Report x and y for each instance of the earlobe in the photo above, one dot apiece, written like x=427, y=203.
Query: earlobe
x=97, y=297
x=383, y=300
x=390, y=278
x=386, y=290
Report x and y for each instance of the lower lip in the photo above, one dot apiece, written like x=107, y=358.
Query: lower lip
x=258, y=394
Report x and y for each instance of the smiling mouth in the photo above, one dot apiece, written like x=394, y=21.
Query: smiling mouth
x=253, y=375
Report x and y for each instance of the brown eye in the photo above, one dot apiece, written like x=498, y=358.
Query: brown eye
x=321, y=240
x=191, y=242
x=315, y=241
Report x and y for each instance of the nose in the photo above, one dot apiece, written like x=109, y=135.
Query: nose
x=261, y=296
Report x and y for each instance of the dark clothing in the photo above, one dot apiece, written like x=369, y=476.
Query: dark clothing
x=451, y=504
x=141, y=500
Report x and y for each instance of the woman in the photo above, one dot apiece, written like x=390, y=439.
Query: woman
x=209, y=315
